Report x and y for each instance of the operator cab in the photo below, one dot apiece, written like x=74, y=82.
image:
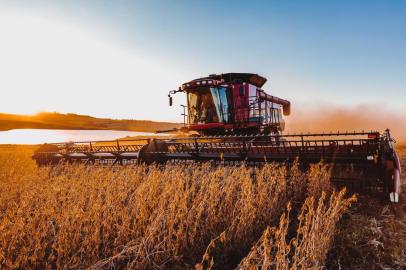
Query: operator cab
x=210, y=104
x=232, y=103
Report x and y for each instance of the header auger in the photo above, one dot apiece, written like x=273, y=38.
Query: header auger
x=236, y=121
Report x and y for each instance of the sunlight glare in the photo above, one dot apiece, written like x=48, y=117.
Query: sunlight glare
x=51, y=65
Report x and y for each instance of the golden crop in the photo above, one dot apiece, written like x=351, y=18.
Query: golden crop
x=170, y=217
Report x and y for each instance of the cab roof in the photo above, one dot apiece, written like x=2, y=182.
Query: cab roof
x=251, y=78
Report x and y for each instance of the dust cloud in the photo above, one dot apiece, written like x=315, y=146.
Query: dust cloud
x=365, y=117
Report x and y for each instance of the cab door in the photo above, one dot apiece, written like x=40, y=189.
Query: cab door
x=240, y=103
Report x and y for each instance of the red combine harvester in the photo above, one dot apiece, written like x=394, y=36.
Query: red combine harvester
x=236, y=121
x=232, y=104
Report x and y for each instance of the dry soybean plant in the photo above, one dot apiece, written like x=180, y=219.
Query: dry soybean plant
x=140, y=217
x=308, y=249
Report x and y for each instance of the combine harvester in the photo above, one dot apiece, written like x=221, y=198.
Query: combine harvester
x=236, y=121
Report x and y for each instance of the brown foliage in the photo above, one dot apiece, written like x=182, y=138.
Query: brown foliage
x=308, y=249
x=141, y=217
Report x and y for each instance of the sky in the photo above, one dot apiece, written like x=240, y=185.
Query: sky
x=119, y=59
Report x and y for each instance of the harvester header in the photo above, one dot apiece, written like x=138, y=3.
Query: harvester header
x=235, y=121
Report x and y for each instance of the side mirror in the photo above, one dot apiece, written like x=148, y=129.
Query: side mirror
x=170, y=101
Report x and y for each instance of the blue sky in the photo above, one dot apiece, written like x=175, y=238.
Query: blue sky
x=339, y=53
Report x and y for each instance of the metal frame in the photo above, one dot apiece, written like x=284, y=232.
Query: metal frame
x=306, y=147
x=90, y=152
x=355, y=147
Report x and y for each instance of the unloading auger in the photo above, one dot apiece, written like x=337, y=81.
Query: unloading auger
x=236, y=121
